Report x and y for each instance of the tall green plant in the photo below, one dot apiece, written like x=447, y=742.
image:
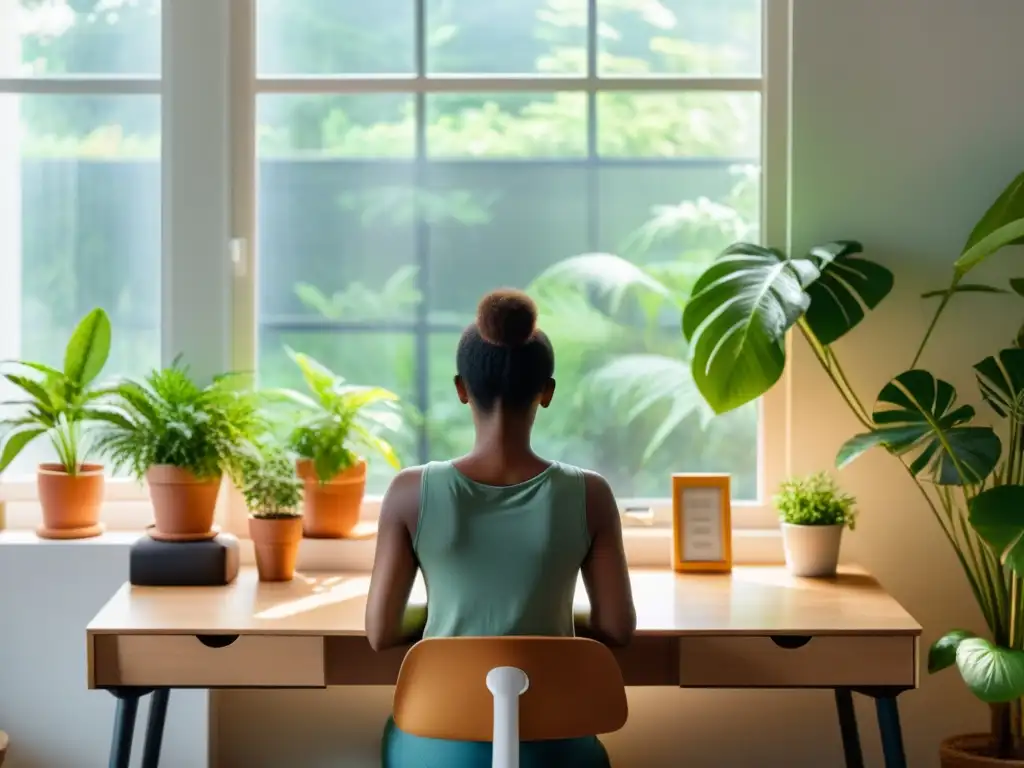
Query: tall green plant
x=60, y=404
x=971, y=479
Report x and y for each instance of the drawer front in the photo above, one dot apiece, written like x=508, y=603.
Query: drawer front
x=788, y=662
x=217, y=661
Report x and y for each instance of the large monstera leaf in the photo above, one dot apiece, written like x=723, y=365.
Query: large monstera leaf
x=917, y=416
x=742, y=306
x=1001, y=379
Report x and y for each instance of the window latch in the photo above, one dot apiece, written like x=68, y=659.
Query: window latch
x=239, y=257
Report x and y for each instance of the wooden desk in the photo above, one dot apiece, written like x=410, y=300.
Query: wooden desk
x=757, y=627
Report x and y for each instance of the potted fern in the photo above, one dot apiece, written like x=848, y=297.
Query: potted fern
x=181, y=438
x=272, y=493
x=63, y=406
x=335, y=424
x=813, y=512
x=971, y=476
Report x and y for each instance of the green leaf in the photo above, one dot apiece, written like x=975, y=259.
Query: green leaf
x=16, y=442
x=1002, y=225
x=963, y=288
x=742, y=306
x=34, y=388
x=610, y=277
x=318, y=377
x=1001, y=380
x=942, y=654
x=1017, y=285
x=994, y=674
x=88, y=349
x=916, y=414
x=845, y=283
x=997, y=514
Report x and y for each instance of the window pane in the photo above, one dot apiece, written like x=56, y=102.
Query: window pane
x=625, y=404
x=507, y=36
x=90, y=37
x=362, y=357
x=693, y=124
x=511, y=125
x=314, y=126
x=79, y=228
x=512, y=220
x=334, y=37
x=679, y=37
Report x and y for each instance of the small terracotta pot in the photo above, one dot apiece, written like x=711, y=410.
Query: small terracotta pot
x=972, y=751
x=183, y=505
x=331, y=509
x=276, y=541
x=71, y=503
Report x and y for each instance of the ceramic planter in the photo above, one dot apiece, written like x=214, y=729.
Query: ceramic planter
x=276, y=542
x=970, y=752
x=331, y=509
x=71, y=503
x=812, y=550
x=183, y=505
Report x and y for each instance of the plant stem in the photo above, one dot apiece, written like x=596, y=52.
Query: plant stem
x=829, y=363
x=935, y=321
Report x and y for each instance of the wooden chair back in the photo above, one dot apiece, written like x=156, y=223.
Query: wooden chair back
x=575, y=688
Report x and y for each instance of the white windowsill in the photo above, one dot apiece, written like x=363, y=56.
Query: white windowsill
x=645, y=548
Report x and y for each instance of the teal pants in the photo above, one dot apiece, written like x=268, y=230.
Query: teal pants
x=403, y=750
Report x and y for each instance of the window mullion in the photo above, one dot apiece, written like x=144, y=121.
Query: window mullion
x=196, y=278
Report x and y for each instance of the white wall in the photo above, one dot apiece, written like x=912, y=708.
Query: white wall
x=907, y=121
x=48, y=593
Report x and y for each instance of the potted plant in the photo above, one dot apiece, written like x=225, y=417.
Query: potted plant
x=735, y=322
x=272, y=493
x=813, y=512
x=335, y=422
x=181, y=438
x=63, y=405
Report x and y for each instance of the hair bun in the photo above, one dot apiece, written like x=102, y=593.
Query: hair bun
x=506, y=317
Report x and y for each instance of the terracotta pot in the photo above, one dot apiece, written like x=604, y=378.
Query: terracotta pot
x=276, y=541
x=331, y=509
x=972, y=751
x=183, y=505
x=71, y=503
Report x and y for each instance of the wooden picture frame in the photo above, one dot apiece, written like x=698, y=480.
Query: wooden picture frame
x=701, y=523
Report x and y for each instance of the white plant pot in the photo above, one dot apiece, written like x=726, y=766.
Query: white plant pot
x=812, y=550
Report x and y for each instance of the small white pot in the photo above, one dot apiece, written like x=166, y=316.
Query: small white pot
x=812, y=550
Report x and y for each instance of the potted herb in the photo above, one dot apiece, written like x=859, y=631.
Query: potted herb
x=813, y=512
x=272, y=493
x=181, y=438
x=64, y=406
x=336, y=423
x=971, y=480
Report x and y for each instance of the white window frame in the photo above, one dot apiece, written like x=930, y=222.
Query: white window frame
x=208, y=173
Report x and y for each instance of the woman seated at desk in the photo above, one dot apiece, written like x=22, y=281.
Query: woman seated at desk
x=500, y=534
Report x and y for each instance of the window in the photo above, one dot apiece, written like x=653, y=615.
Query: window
x=376, y=168
x=80, y=182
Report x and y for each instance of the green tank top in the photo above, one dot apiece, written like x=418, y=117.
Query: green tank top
x=501, y=560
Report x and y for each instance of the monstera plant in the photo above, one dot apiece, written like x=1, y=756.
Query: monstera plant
x=970, y=475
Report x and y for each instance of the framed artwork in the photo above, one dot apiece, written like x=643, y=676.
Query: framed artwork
x=701, y=523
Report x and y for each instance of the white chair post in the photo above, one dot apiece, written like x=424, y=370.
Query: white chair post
x=506, y=684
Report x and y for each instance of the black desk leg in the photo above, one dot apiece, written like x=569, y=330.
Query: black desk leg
x=854, y=758
x=155, y=728
x=124, y=730
x=892, y=734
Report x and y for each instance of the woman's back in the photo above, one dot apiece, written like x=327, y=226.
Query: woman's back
x=501, y=560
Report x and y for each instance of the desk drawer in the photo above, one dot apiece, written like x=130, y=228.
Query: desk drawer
x=210, y=661
x=797, y=662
